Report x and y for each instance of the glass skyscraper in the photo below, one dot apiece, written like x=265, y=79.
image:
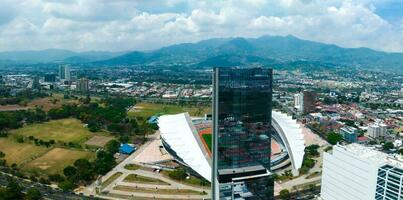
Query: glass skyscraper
x=242, y=133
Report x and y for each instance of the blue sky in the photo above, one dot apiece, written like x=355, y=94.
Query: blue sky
x=117, y=25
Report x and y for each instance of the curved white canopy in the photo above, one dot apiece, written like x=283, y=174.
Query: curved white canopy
x=176, y=130
x=292, y=136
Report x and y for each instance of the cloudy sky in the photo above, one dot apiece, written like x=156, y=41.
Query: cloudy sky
x=117, y=25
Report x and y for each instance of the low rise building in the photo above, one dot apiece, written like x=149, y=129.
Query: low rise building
x=350, y=134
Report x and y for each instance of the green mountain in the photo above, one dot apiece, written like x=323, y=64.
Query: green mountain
x=266, y=50
x=273, y=51
x=55, y=55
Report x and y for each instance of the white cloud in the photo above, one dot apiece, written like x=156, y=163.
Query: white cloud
x=149, y=24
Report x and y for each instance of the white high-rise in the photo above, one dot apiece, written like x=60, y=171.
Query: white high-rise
x=357, y=172
x=299, y=102
x=377, y=130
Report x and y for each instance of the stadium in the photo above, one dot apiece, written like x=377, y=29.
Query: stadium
x=188, y=141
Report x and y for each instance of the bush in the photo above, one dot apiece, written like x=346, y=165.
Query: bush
x=66, y=185
x=284, y=194
x=56, y=178
x=178, y=174
x=33, y=194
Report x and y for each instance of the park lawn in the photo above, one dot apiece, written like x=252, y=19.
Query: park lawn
x=147, y=110
x=134, y=178
x=208, y=139
x=157, y=191
x=111, y=179
x=20, y=153
x=55, y=160
x=63, y=130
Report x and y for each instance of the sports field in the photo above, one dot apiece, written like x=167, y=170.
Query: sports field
x=55, y=160
x=19, y=153
x=63, y=130
x=146, y=110
x=207, y=138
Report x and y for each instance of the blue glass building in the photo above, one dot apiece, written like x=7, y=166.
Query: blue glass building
x=242, y=133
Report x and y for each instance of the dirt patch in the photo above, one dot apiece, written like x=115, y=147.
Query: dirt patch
x=99, y=141
x=12, y=108
x=55, y=160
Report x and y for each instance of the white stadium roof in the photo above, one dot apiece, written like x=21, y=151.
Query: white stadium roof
x=292, y=136
x=180, y=134
x=176, y=130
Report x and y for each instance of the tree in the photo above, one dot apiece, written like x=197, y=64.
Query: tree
x=84, y=169
x=388, y=146
x=104, y=162
x=56, y=178
x=284, y=194
x=13, y=191
x=124, y=139
x=312, y=150
x=33, y=194
x=2, y=160
x=112, y=146
x=333, y=138
x=70, y=171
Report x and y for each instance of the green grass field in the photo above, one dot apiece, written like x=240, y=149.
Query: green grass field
x=20, y=153
x=63, y=130
x=157, y=191
x=111, y=179
x=146, y=110
x=208, y=139
x=134, y=178
x=55, y=160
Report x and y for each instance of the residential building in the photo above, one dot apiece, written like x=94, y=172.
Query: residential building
x=299, y=102
x=361, y=173
x=377, y=130
x=83, y=85
x=242, y=134
x=350, y=134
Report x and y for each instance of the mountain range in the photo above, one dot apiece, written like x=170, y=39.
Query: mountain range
x=266, y=50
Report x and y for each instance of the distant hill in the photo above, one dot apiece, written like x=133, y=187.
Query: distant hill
x=266, y=50
x=55, y=55
x=274, y=51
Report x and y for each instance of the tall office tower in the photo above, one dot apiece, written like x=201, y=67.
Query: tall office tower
x=361, y=173
x=83, y=85
x=242, y=134
x=64, y=72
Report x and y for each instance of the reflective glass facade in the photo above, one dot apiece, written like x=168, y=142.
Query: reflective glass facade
x=242, y=133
